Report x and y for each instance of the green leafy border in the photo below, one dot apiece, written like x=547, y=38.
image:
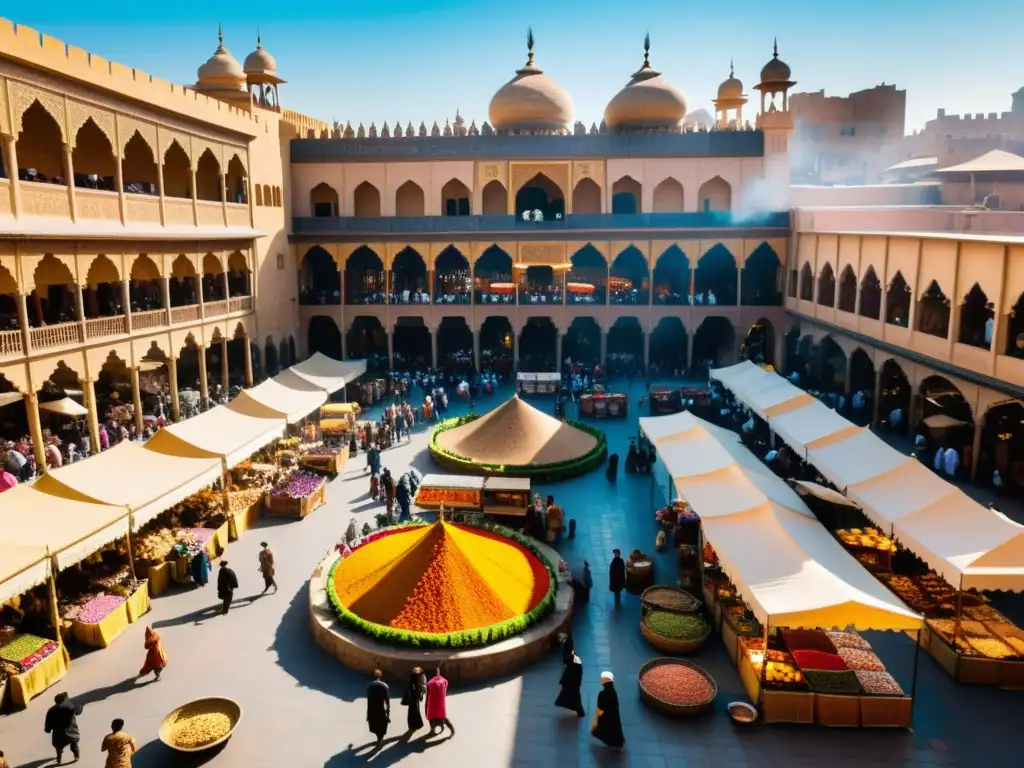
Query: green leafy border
x=462, y=639
x=545, y=473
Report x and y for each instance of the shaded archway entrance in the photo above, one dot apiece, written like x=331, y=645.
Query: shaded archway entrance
x=626, y=347
x=324, y=337
x=715, y=277
x=319, y=278
x=455, y=346
x=1002, y=446
x=452, y=284
x=762, y=272
x=759, y=344
x=671, y=278
x=713, y=344
x=412, y=345
x=894, y=397
x=537, y=345
x=829, y=371
x=629, y=278
x=541, y=285
x=496, y=345
x=947, y=421
x=540, y=199
x=364, y=277
x=586, y=279
x=791, y=351
x=668, y=347
x=493, y=266
x=409, y=278
x=862, y=386
x=582, y=342
x=366, y=340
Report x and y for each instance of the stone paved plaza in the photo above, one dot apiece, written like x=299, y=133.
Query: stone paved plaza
x=304, y=710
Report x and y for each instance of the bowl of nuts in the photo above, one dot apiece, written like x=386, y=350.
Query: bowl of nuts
x=200, y=724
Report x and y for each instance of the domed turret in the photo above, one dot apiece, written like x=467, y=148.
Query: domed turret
x=731, y=88
x=775, y=78
x=531, y=102
x=221, y=71
x=730, y=101
x=649, y=102
x=261, y=76
x=776, y=70
x=259, y=62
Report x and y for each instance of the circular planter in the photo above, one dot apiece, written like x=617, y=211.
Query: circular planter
x=668, y=598
x=670, y=708
x=212, y=704
x=672, y=645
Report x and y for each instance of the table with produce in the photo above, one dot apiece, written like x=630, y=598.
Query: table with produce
x=100, y=620
x=329, y=456
x=29, y=665
x=297, y=494
x=249, y=484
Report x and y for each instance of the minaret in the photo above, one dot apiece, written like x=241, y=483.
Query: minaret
x=775, y=120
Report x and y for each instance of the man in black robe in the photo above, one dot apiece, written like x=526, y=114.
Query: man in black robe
x=378, y=707
x=227, y=583
x=572, y=678
x=62, y=725
x=617, y=575
x=607, y=724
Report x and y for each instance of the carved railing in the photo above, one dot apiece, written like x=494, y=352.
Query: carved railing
x=11, y=344
x=51, y=336
x=240, y=304
x=98, y=327
x=215, y=308
x=155, y=318
x=187, y=314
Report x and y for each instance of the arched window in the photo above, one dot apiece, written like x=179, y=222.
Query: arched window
x=626, y=195
x=794, y=280
x=715, y=277
x=138, y=167
x=827, y=287
x=760, y=283
x=586, y=197
x=847, y=290
x=208, y=182
x=177, y=172
x=409, y=200
x=668, y=197
x=977, y=319
x=319, y=278
x=93, y=159
x=40, y=147
x=715, y=195
x=258, y=194
x=366, y=201
x=897, y=302
x=932, y=316
x=1015, y=329
x=806, y=283
x=870, y=295
x=541, y=198
x=237, y=184
x=323, y=201
x=455, y=199
x=495, y=199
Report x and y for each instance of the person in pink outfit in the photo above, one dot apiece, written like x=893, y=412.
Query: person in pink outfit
x=437, y=704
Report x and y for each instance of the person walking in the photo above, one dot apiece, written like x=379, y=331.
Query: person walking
x=607, y=725
x=403, y=496
x=62, y=725
x=572, y=679
x=414, y=694
x=227, y=583
x=437, y=704
x=119, y=746
x=588, y=581
x=617, y=575
x=378, y=707
x=156, y=658
x=267, y=567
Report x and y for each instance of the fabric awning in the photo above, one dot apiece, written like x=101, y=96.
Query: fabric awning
x=9, y=398
x=71, y=530
x=288, y=395
x=222, y=432
x=21, y=568
x=807, y=488
x=901, y=492
x=855, y=459
x=764, y=392
x=329, y=374
x=813, y=426
x=128, y=475
x=65, y=407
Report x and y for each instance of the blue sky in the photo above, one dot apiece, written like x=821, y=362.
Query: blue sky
x=418, y=61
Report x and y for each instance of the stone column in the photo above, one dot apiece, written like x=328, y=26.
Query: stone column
x=11, y=153
x=515, y=356
x=876, y=406
x=92, y=418
x=558, y=349
x=476, y=350
x=911, y=416
x=80, y=308
x=165, y=294
x=604, y=346
x=126, y=300
x=227, y=286
x=21, y=301
x=204, y=390
x=391, y=348
x=435, y=340
x=739, y=286
x=35, y=429
x=848, y=383
x=225, y=370
x=199, y=295
x=172, y=376
x=137, y=400
x=160, y=188
x=248, y=360
x=119, y=185
x=689, y=351
x=976, y=451
x=195, y=197
x=69, y=179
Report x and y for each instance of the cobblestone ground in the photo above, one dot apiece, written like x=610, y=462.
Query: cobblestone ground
x=303, y=709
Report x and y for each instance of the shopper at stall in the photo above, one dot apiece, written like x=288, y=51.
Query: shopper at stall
x=572, y=679
x=267, y=566
x=227, y=583
x=373, y=457
x=62, y=725
x=415, y=692
x=607, y=725
x=378, y=707
x=119, y=746
x=403, y=496
x=156, y=658
x=437, y=704
x=199, y=568
x=617, y=575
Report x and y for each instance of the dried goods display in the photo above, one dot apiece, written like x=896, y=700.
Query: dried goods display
x=432, y=497
x=993, y=640
x=821, y=681
x=670, y=599
x=441, y=584
x=860, y=659
x=808, y=640
x=200, y=724
x=25, y=651
x=677, y=626
x=819, y=661
x=98, y=608
x=878, y=683
x=847, y=640
x=868, y=538
x=239, y=500
x=678, y=684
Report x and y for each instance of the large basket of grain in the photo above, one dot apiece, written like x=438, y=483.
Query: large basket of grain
x=676, y=687
x=200, y=724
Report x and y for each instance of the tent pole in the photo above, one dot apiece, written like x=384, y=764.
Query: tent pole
x=913, y=680
x=51, y=584
x=131, y=556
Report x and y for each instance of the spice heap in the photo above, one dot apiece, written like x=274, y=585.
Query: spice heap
x=677, y=683
x=299, y=485
x=439, y=579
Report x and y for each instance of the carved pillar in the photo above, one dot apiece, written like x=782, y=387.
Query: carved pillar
x=69, y=179
x=11, y=154
x=80, y=310
x=435, y=339
x=126, y=300
x=165, y=294
x=976, y=451
x=739, y=286
x=204, y=390
x=515, y=355
x=876, y=406
x=172, y=377
x=160, y=189
x=248, y=360
x=119, y=186
x=21, y=301
x=93, y=417
x=225, y=370
x=137, y=399
x=476, y=350
x=35, y=429
x=227, y=285
x=199, y=295
x=391, y=348
x=195, y=197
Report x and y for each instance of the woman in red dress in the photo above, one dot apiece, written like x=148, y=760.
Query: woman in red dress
x=156, y=659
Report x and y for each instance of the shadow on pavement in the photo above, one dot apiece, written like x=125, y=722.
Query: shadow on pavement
x=203, y=614
x=396, y=748
x=104, y=693
x=156, y=754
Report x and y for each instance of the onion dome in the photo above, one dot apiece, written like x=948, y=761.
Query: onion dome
x=221, y=70
x=776, y=70
x=531, y=101
x=649, y=102
x=732, y=88
x=259, y=62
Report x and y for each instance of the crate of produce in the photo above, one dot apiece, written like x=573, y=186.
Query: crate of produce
x=298, y=496
x=324, y=459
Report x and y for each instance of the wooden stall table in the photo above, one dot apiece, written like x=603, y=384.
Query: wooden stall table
x=179, y=570
x=104, y=632
x=287, y=506
x=241, y=521
x=159, y=577
x=137, y=605
x=49, y=671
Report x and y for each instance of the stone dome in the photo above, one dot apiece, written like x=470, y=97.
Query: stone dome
x=776, y=70
x=221, y=69
x=531, y=101
x=259, y=62
x=732, y=88
x=648, y=102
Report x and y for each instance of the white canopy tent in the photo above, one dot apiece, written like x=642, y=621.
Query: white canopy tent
x=329, y=374
x=288, y=395
x=65, y=407
x=21, y=568
x=859, y=457
x=812, y=426
x=223, y=432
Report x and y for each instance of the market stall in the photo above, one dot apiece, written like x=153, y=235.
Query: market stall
x=328, y=374
x=538, y=383
x=31, y=664
x=665, y=401
x=450, y=491
x=297, y=495
x=602, y=406
x=287, y=395
x=230, y=432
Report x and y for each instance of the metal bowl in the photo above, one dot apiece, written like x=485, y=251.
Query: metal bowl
x=742, y=712
x=208, y=705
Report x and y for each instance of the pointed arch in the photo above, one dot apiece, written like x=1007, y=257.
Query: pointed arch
x=541, y=194
x=409, y=277
x=455, y=199
x=630, y=283
x=716, y=276
x=586, y=197
x=494, y=199
x=409, y=200
x=39, y=145
x=668, y=197
x=932, y=315
x=258, y=195
x=827, y=286
x=715, y=195
x=138, y=167
x=493, y=267
x=324, y=336
x=237, y=190
x=627, y=195
x=977, y=319
x=93, y=158
x=323, y=201
x=870, y=295
x=366, y=201
x=668, y=345
x=671, y=277
x=452, y=284
x=589, y=273
x=847, y=290
x=761, y=275
x=806, y=282
x=897, y=301
x=208, y=178
x=319, y=278
x=177, y=172
x=365, y=281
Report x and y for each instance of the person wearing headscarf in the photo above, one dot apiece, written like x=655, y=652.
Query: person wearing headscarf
x=199, y=567
x=414, y=695
x=378, y=707
x=156, y=658
x=437, y=704
x=267, y=566
x=607, y=725
x=62, y=725
x=572, y=679
x=119, y=746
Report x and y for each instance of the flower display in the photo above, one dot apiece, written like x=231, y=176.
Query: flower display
x=97, y=609
x=440, y=579
x=299, y=485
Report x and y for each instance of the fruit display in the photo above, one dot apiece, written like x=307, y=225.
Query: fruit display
x=991, y=639
x=821, y=681
x=25, y=651
x=439, y=580
x=878, y=683
x=678, y=684
x=860, y=659
x=677, y=626
x=98, y=608
x=867, y=538
x=782, y=673
x=819, y=661
x=299, y=485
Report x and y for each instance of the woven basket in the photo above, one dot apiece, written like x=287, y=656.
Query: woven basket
x=217, y=704
x=666, y=707
x=672, y=645
x=668, y=598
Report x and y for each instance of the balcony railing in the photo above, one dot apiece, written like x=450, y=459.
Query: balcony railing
x=60, y=335
x=215, y=308
x=152, y=319
x=240, y=304
x=98, y=327
x=11, y=343
x=187, y=314
x=573, y=222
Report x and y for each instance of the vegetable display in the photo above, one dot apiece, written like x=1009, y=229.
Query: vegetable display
x=299, y=485
x=821, y=681
x=97, y=609
x=25, y=651
x=677, y=626
x=677, y=684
